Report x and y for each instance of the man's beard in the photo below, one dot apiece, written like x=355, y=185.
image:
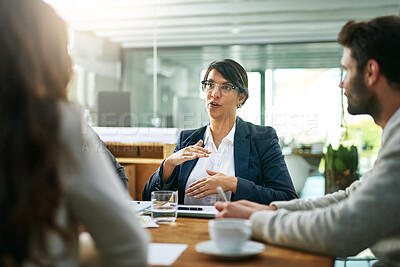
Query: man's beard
x=362, y=101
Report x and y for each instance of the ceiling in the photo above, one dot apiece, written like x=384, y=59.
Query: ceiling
x=186, y=23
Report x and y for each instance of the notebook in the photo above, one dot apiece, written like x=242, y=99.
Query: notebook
x=198, y=211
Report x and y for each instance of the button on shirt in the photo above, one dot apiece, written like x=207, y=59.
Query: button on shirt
x=220, y=160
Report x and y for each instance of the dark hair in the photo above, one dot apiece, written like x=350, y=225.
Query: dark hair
x=35, y=70
x=233, y=72
x=377, y=39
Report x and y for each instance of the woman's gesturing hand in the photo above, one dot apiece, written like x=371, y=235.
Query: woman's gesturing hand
x=188, y=153
x=207, y=186
x=185, y=154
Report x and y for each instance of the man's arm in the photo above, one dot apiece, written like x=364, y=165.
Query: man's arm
x=369, y=215
x=324, y=201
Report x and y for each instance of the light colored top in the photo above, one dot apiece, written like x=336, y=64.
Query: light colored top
x=366, y=214
x=94, y=197
x=220, y=160
x=389, y=125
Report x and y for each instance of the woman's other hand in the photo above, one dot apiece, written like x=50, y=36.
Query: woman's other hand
x=207, y=186
x=183, y=155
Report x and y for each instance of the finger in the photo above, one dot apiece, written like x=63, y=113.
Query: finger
x=199, y=150
x=222, y=214
x=191, y=190
x=197, y=191
x=197, y=154
x=186, y=158
x=197, y=182
x=234, y=210
x=204, y=194
x=219, y=205
x=199, y=143
x=197, y=186
x=211, y=173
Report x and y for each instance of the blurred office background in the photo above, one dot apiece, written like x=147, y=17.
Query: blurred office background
x=139, y=63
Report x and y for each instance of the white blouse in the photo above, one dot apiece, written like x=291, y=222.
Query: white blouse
x=220, y=160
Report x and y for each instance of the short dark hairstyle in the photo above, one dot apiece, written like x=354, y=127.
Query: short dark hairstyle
x=377, y=39
x=233, y=72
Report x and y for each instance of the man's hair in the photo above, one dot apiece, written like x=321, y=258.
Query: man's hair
x=377, y=39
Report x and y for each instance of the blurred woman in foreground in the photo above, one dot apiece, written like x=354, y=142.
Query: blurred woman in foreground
x=51, y=178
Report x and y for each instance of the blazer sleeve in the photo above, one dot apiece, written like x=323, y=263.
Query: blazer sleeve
x=274, y=182
x=156, y=183
x=119, y=169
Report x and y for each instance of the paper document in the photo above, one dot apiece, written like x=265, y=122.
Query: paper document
x=147, y=222
x=164, y=253
x=140, y=206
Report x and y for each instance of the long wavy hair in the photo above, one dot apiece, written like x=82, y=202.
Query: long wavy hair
x=34, y=73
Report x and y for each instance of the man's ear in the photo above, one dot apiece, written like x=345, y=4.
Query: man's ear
x=372, y=72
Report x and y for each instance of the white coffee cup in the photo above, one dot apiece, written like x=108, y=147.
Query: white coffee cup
x=229, y=235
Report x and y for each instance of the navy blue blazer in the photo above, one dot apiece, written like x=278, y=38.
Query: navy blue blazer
x=259, y=166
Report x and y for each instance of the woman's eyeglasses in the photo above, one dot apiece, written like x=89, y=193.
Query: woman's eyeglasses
x=209, y=86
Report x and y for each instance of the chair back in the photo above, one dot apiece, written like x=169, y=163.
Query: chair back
x=299, y=170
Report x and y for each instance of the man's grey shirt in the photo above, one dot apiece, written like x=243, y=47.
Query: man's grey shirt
x=366, y=214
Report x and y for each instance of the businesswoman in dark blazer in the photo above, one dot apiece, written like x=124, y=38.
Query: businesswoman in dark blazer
x=242, y=158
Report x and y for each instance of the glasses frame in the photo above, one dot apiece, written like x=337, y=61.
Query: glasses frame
x=203, y=87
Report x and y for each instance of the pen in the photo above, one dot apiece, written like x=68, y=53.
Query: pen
x=222, y=194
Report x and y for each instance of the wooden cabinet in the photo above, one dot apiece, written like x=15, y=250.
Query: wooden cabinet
x=140, y=160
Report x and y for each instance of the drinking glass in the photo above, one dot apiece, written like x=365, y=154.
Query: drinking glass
x=164, y=206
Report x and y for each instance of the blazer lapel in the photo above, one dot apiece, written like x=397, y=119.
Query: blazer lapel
x=241, y=148
x=187, y=167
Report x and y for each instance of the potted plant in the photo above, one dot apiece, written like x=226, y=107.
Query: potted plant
x=341, y=168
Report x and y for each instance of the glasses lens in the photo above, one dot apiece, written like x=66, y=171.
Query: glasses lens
x=226, y=88
x=207, y=86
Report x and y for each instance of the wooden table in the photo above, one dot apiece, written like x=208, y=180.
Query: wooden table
x=193, y=230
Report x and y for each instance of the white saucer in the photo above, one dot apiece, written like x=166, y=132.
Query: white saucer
x=250, y=248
